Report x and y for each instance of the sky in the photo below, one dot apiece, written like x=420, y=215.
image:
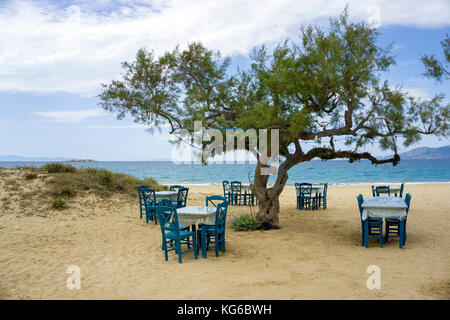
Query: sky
x=54, y=55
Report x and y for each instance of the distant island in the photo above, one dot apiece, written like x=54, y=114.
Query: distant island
x=426, y=153
x=80, y=160
x=47, y=159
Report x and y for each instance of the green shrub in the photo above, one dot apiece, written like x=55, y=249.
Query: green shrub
x=30, y=176
x=59, y=204
x=58, y=167
x=245, y=223
x=68, y=191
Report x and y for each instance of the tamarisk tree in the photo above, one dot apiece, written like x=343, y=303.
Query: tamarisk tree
x=326, y=85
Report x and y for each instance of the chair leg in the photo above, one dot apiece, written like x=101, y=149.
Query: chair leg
x=386, y=234
x=216, y=239
x=402, y=231
x=362, y=236
x=204, y=244
x=194, y=245
x=366, y=234
x=381, y=236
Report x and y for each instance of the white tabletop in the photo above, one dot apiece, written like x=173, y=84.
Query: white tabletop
x=197, y=215
x=166, y=195
x=384, y=207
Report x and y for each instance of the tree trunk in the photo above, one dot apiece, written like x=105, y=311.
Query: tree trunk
x=269, y=207
x=268, y=198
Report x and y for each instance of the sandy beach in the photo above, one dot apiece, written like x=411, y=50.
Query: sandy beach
x=315, y=254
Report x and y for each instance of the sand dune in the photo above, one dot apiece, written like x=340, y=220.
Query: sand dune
x=315, y=254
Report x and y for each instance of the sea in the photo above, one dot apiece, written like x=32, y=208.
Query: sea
x=333, y=172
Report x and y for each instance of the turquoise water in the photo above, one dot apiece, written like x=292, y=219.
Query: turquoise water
x=333, y=172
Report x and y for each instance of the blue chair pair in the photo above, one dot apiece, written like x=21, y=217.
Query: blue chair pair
x=213, y=236
x=371, y=228
x=173, y=236
x=305, y=199
x=396, y=228
x=381, y=190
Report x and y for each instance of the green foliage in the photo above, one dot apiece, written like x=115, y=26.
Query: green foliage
x=30, y=175
x=58, y=167
x=328, y=83
x=59, y=204
x=245, y=223
x=68, y=191
x=435, y=69
x=99, y=181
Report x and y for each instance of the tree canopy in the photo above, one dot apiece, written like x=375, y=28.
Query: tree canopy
x=327, y=84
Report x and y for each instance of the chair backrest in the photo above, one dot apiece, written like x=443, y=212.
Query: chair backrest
x=165, y=203
x=214, y=200
x=175, y=187
x=149, y=196
x=325, y=188
x=360, y=199
x=168, y=219
x=382, y=190
x=141, y=198
x=305, y=188
x=236, y=187
x=401, y=189
x=182, y=197
x=373, y=192
x=408, y=201
x=221, y=216
x=297, y=188
x=226, y=187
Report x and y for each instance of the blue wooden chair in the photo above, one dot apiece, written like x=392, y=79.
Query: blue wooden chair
x=175, y=187
x=226, y=190
x=371, y=228
x=373, y=191
x=141, y=200
x=236, y=192
x=393, y=225
x=149, y=197
x=215, y=200
x=306, y=199
x=182, y=197
x=402, y=186
x=168, y=203
x=173, y=238
x=214, y=235
x=322, y=197
x=380, y=190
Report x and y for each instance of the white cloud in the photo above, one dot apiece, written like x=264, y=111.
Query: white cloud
x=417, y=92
x=46, y=48
x=71, y=116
